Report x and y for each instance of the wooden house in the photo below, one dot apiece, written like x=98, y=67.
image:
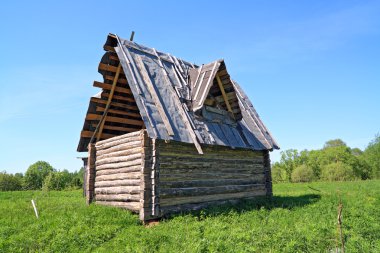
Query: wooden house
x=164, y=135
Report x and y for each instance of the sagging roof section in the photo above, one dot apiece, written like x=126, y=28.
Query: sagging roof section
x=177, y=100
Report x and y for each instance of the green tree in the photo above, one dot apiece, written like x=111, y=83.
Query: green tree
x=278, y=173
x=337, y=172
x=77, y=178
x=9, y=182
x=334, y=143
x=302, y=173
x=356, y=151
x=372, y=156
x=36, y=174
x=289, y=160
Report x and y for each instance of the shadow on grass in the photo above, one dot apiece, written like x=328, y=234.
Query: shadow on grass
x=241, y=206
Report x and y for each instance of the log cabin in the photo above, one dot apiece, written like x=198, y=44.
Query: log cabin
x=164, y=135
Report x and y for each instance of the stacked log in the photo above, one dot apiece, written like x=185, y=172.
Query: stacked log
x=149, y=197
x=118, y=171
x=189, y=181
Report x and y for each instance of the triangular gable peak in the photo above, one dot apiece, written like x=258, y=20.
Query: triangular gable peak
x=211, y=87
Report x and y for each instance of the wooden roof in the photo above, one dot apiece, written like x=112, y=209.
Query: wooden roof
x=171, y=98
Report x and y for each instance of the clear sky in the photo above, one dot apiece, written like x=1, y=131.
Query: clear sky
x=311, y=68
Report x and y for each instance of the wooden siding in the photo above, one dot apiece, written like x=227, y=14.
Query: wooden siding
x=118, y=171
x=190, y=181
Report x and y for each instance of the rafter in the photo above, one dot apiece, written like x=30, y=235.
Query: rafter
x=223, y=93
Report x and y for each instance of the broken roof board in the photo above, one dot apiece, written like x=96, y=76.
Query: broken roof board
x=170, y=79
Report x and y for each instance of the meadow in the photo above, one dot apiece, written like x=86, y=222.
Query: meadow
x=300, y=217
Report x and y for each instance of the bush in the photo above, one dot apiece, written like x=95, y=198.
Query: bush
x=9, y=182
x=57, y=180
x=337, y=172
x=302, y=173
x=36, y=174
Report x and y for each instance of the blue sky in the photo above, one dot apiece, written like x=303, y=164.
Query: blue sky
x=311, y=68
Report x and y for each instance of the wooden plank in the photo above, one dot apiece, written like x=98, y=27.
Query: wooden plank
x=110, y=68
x=154, y=94
x=109, y=48
x=119, y=165
x=114, y=57
x=229, y=135
x=210, y=182
x=130, y=175
x=107, y=86
x=129, y=151
x=118, y=128
x=208, y=85
x=220, y=134
x=118, y=183
x=118, y=197
x=205, y=198
x=89, y=134
x=125, y=144
x=198, y=176
x=115, y=104
x=133, y=206
x=129, y=98
x=134, y=122
x=99, y=129
x=184, y=115
x=135, y=168
x=120, y=81
x=125, y=137
x=223, y=92
x=124, y=113
x=118, y=159
x=199, y=191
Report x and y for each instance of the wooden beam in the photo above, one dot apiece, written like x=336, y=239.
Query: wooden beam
x=109, y=68
x=154, y=94
x=121, y=80
x=129, y=98
x=113, y=57
x=120, y=120
x=119, y=128
x=107, y=86
x=102, y=120
x=109, y=48
x=125, y=113
x=223, y=93
x=89, y=134
x=116, y=104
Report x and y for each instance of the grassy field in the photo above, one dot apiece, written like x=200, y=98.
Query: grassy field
x=300, y=218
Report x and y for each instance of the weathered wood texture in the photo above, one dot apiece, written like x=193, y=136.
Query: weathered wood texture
x=268, y=175
x=90, y=173
x=156, y=178
x=189, y=181
x=118, y=171
x=149, y=195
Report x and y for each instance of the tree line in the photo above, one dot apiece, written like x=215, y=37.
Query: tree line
x=41, y=176
x=334, y=162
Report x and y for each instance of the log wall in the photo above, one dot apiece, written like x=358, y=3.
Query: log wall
x=188, y=180
x=118, y=169
x=156, y=178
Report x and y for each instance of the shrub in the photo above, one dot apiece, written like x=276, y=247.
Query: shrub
x=36, y=174
x=9, y=182
x=337, y=172
x=57, y=180
x=302, y=173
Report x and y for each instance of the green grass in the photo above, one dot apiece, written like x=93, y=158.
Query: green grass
x=300, y=218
